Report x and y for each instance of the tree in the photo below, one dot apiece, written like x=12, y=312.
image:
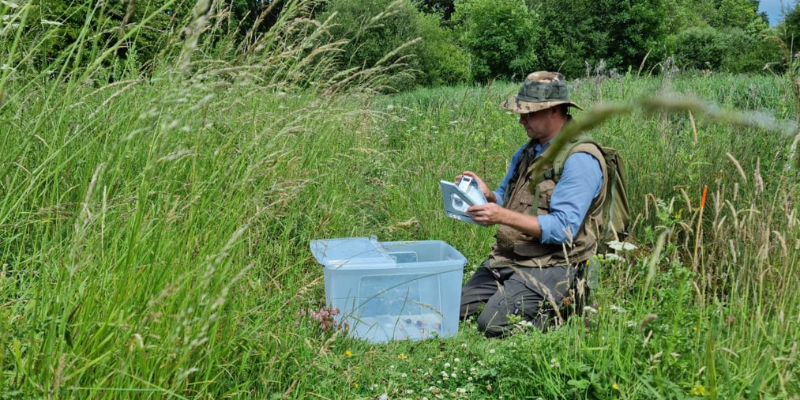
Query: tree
x=580, y=31
x=635, y=29
x=790, y=28
x=499, y=36
x=378, y=28
x=736, y=13
x=77, y=31
x=443, y=7
x=686, y=14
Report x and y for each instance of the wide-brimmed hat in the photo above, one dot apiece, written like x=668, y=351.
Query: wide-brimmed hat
x=541, y=90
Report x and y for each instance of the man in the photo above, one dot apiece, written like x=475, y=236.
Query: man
x=536, y=265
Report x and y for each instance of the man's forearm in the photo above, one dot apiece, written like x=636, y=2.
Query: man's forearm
x=524, y=223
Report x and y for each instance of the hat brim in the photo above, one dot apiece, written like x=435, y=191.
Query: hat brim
x=518, y=106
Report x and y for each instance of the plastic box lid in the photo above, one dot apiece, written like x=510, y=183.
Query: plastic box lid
x=352, y=253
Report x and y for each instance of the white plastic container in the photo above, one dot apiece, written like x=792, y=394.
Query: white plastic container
x=392, y=290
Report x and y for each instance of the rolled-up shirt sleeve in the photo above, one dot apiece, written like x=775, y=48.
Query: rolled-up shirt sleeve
x=581, y=181
x=500, y=192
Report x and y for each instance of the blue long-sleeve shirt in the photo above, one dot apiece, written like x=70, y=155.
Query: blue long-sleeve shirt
x=571, y=198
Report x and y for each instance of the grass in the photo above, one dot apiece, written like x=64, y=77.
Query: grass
x=154, y=240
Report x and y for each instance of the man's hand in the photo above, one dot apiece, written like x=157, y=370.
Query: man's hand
x=490, y=197
x=493, y=214
x=487, y=214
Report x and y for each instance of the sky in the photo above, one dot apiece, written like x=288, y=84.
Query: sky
x=773, y=9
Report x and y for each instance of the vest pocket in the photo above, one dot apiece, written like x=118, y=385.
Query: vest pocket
x=545, y=193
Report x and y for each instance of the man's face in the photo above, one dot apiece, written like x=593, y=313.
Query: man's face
x=538, y=125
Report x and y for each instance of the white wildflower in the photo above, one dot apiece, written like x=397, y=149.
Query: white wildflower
x=617, y=309
x=53, y=23
x=613, y=257
x=621, y=246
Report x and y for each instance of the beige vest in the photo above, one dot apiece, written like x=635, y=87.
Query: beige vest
x=522, y=249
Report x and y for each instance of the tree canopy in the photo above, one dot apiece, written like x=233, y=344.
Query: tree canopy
x=430, y=42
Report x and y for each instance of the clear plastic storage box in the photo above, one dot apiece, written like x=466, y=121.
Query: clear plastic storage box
x=392, y=290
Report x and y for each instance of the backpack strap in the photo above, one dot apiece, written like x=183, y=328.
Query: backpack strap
x=580, y=144
x=555, y=171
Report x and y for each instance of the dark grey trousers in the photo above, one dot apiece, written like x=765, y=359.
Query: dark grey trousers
x=537, y=295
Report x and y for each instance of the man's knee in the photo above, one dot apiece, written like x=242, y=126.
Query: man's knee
x=492, y=324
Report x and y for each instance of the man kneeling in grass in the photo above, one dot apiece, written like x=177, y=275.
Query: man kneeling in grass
x=547, y=230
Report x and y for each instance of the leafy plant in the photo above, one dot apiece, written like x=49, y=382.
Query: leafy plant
x=498, y=36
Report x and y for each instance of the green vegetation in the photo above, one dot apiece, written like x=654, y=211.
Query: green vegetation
x=154, y=226
x=499, y=36
x=429, y=43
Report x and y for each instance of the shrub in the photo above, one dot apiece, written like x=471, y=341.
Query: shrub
x=441, y=61
x=579, y=31
x=730, y=50
x=499, y=36
x=748, y=54
x=92, y=27
x=377, y=28
x=700, y=48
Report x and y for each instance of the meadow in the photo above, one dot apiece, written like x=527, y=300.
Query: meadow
x=155, y=227
x=154, y=242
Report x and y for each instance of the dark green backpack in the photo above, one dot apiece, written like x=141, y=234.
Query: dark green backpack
x=616, y=214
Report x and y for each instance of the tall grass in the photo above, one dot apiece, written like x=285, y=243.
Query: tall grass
x=154, y=233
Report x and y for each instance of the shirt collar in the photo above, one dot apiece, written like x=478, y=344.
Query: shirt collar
x=536, y=149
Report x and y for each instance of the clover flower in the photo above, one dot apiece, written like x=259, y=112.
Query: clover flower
x=324, y=317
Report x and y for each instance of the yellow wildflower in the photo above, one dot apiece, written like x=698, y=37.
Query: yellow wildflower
x=348, y=353
x=699, y=390
x=615, y=387
x=402, y=356
x=694, y=329
x=355, y=385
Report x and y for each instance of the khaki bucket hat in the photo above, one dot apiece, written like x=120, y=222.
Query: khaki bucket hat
x=541, y=90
